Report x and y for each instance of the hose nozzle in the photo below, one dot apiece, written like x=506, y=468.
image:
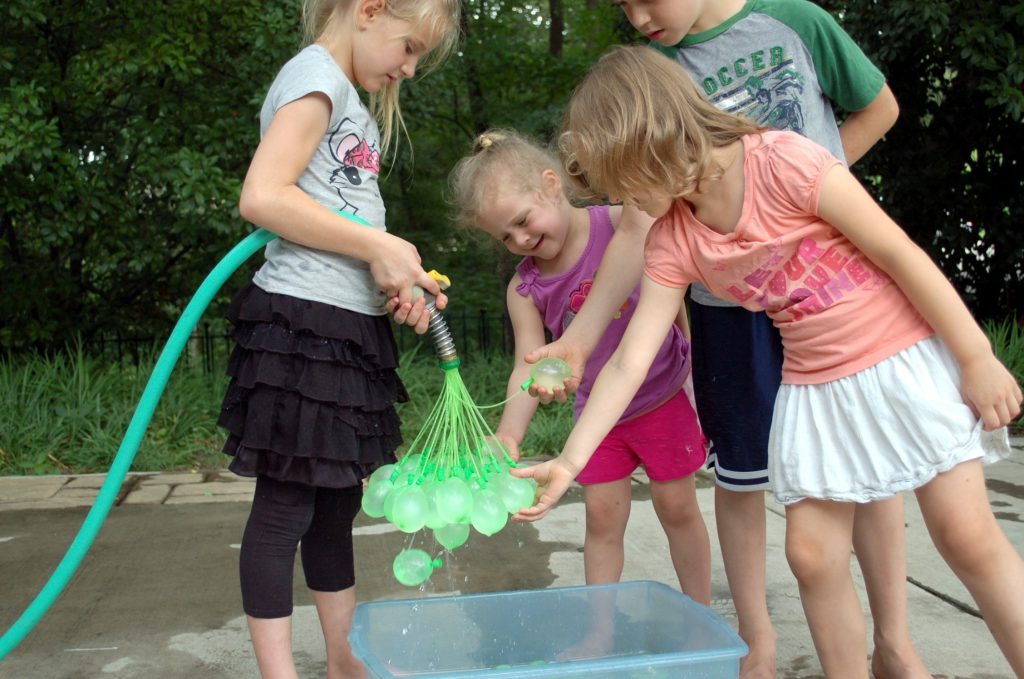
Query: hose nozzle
x=440, y=335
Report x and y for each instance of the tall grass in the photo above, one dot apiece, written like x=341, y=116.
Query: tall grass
x=68, y=413
x=1007, y=338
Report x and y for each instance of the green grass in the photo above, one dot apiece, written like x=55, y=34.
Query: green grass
x=68, y=414
x=1008, y=342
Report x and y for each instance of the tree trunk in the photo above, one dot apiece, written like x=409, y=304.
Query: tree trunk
x=557, y=29
x=477, y=105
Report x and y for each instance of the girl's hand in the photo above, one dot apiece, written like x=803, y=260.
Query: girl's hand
x=415, y=313
x=396, y=267
x=557, y=394
x=570, y=352
x=991, y=392
x=553, y=479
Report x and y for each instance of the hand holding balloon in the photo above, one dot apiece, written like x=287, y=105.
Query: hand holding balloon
x=566, y=352
x=550, y=379
x=553, y=478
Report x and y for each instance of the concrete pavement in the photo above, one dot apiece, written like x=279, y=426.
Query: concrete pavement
x=157, y=595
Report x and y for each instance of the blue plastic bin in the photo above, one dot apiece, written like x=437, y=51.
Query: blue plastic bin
x=639, y=630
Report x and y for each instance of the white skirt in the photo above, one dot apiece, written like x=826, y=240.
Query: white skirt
x=879, y=432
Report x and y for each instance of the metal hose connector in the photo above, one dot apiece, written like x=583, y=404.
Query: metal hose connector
x=440, y=335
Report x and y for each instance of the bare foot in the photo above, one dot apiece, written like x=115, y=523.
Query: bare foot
x=758, y=667
x=346, y=668
x=894, y=664
x=760, y=661
x=596, y=644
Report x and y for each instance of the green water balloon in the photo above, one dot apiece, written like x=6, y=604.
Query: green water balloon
x=389, y=501
x=515, y=493
x=452, y=536
x=499, y=483
x=454, y=500
x=409, y=511
x=410, y=463
x=382, y=474
x=413, y=566
x=374, y=497
x=550, y=373
x=488, y=515
x=433, y=519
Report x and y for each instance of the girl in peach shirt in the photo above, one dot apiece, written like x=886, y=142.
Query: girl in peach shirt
x=888, y=382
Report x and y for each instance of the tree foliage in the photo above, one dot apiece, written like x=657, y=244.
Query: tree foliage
x=952, y=169
x=128, y=128
x=127, y=131
x=504, y=75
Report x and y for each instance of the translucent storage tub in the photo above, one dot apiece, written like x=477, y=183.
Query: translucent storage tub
x=628, y=630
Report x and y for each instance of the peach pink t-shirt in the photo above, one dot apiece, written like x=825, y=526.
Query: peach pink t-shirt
x=836, y=311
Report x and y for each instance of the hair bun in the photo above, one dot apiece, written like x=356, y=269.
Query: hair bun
x=486, y=141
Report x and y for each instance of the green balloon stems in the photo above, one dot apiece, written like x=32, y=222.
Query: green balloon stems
x=547, y=372
x=462, y=471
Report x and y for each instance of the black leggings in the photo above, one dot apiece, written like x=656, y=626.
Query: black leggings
x=283, y=513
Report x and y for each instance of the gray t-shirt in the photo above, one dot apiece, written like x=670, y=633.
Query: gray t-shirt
x=781, y=63
x=342, y=175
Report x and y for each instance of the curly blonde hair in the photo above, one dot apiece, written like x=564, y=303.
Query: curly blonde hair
x=638, y=121
x=499, y=157
x=438, y=18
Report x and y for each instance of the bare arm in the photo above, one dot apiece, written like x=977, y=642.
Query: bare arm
x=617, y=276
x=613, y=390
x=865, y=127
x=528, y=330
x=272, y=199
x=987, y=386
x=682, y=319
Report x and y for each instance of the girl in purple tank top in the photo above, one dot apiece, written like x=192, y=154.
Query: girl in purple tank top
x=513, y=189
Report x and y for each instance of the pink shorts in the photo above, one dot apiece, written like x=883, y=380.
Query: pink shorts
x=667, y=441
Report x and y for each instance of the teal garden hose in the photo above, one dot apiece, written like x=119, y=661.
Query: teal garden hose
x=133, y=437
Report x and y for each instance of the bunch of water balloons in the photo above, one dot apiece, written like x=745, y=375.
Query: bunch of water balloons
x=454, y=475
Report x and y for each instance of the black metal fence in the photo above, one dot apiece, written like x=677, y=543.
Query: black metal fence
x=210, y=344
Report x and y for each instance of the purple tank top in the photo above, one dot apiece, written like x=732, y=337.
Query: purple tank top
x=559, y=298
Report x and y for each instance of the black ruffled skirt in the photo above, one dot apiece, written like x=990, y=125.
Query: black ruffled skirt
x=312, y=391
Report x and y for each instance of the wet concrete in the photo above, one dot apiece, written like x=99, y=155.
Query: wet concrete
x=157, y=595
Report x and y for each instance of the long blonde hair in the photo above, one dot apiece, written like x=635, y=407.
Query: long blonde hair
x=498, y=155
x=637, y=121
x=440, y=18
